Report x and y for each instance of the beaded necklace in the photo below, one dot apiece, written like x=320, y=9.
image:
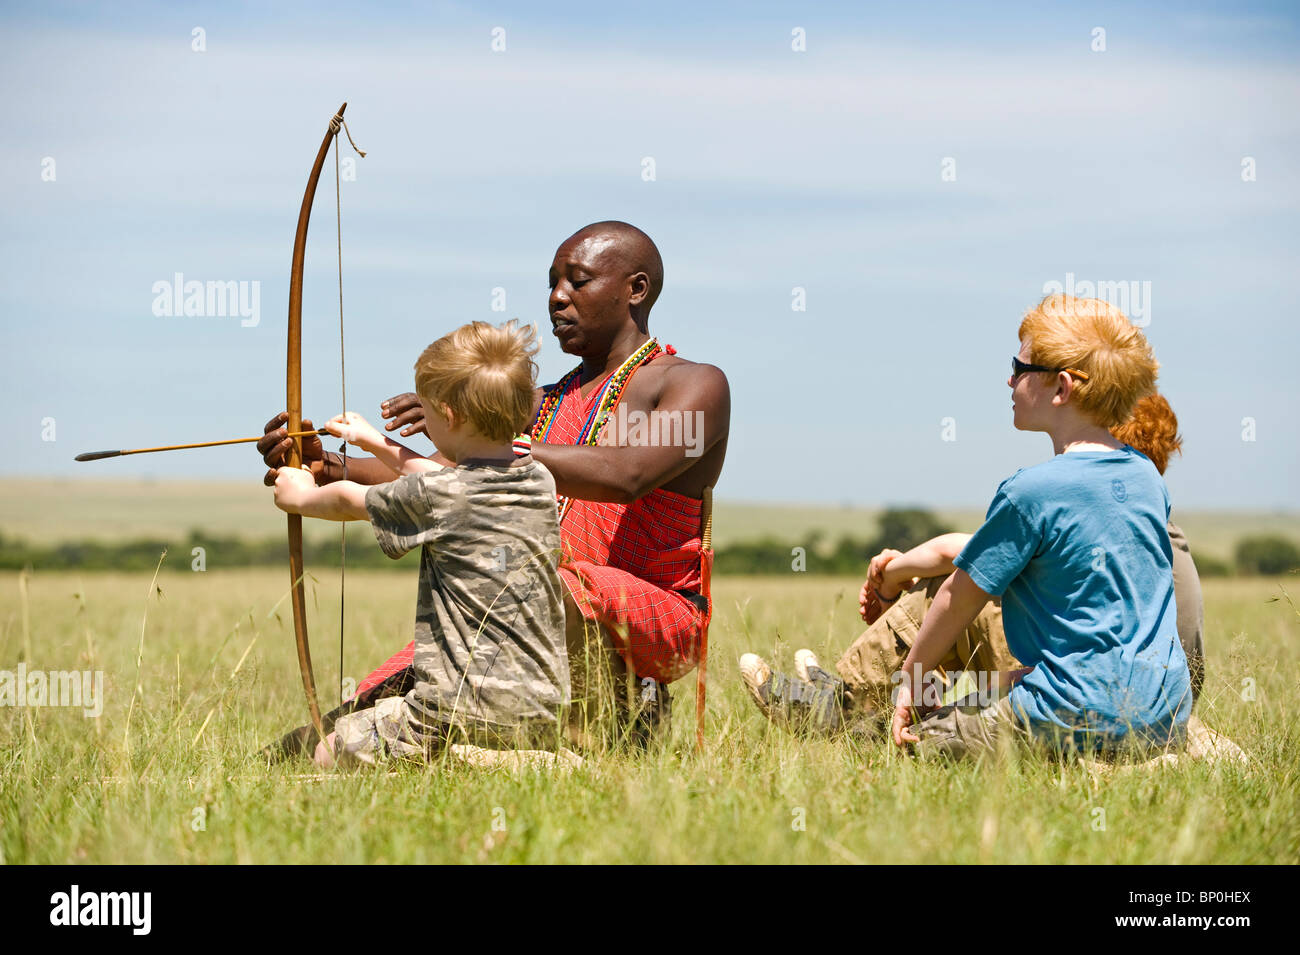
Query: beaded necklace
x=610, y=393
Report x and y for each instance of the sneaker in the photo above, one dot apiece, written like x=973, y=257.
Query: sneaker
x=758, y=679
x=810, y=670
x=794, y=703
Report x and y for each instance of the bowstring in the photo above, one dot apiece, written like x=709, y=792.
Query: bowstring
x=343, y=386
x=335, y=123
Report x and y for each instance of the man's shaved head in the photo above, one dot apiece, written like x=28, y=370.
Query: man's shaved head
x=604, y=280
x=632, y=248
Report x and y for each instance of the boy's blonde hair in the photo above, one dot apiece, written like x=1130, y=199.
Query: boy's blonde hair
x=484, y=373
x=1096, y=338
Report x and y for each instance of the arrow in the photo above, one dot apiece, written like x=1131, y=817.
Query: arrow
x=97, y=455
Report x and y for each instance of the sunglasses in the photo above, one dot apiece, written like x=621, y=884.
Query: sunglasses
x=1019, y=368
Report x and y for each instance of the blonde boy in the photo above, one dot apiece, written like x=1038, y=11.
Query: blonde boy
x=1078, y=550
x=490, y=661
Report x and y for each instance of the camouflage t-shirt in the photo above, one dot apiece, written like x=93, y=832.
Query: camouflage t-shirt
x=490, y=655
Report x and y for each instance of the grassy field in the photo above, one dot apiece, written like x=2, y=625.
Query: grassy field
x=55, y=510
x=166, y=773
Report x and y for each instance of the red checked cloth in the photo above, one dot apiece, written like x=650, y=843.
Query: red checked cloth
x=623, y=563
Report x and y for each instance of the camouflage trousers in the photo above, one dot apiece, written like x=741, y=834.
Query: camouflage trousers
x=364, y=737
x=391, y=729
x=966, y=730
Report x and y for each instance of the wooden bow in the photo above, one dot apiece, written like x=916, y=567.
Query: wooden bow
x=293, y=404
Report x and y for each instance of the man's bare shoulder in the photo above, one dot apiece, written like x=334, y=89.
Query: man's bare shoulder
x=675, y=369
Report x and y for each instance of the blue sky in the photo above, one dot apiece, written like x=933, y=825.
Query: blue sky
x=775, y=169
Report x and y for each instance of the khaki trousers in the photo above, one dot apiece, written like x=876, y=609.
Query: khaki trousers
x=869, y=665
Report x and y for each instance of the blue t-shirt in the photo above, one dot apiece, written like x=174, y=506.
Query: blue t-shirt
x=1079, y=549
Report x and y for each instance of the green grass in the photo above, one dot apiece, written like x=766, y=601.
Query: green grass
x=114, y=790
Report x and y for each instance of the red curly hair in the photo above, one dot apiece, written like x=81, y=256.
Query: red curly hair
x=1152, y=429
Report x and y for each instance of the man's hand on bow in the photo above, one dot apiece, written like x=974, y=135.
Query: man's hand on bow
x=275, y=446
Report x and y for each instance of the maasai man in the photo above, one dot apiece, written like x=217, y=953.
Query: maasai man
x=633, y=436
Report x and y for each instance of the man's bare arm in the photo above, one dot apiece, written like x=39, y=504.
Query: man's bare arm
x=624, y=474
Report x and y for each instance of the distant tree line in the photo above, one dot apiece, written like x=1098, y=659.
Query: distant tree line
x=198, y=550
x=900, y=528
